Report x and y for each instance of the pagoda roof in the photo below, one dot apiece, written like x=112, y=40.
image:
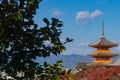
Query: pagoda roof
x=103, y=42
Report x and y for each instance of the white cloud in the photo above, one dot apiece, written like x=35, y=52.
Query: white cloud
x=57, y=13
x=84, y=17
x=80, y=49
x=83, y=44
x=95, y=14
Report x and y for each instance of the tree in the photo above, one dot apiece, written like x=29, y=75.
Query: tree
x=100, y=73
x=21, y=40
x=103, y=73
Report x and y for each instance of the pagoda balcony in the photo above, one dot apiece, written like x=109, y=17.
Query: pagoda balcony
x=102, y=61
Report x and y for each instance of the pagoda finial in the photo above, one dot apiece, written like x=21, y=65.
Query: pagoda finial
x=103, y=29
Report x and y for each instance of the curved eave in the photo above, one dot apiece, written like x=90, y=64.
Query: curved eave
x=101, y=45
x=103, y=42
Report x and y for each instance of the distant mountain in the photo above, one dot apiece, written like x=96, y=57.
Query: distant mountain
x=69, y=61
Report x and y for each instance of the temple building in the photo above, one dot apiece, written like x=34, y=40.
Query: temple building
x=103, y=54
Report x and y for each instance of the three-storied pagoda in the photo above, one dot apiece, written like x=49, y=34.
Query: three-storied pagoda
x=103, y=53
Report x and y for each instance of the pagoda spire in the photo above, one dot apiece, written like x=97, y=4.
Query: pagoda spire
x=103, y=29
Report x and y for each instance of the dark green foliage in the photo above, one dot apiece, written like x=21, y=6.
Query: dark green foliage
x=51, y=72
x=21, y=40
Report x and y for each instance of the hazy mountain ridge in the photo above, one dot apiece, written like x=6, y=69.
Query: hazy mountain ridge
x=69, y=61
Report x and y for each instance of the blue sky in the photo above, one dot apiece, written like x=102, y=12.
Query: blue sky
x=82, y=21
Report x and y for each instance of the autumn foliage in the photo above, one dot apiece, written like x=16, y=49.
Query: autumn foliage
x=103, y=73
x=98, y=73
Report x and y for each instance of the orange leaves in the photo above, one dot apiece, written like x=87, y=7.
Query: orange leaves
x=99, y=73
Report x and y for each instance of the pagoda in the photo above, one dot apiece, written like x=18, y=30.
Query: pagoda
x=102, y=54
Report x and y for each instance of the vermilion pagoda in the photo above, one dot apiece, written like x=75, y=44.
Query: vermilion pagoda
x=103, y=54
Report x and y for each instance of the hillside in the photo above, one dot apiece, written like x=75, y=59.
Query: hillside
x=69, y=61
